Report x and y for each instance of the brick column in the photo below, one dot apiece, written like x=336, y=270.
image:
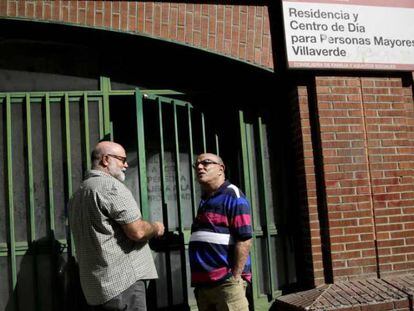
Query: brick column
x=306, y=185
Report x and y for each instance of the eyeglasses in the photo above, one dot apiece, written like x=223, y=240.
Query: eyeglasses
x=120, y=158
x=205, y=162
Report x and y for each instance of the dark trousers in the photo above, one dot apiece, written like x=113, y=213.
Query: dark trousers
x=131, y=299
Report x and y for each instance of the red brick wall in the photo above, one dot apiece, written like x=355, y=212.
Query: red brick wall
x=366, y=128
x=306, y=185
x=238, y=31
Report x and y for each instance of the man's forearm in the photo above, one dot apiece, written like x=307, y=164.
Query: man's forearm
x=141, y=230
x=241, y=253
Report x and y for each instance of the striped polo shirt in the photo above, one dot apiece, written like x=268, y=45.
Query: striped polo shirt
x=222, y=220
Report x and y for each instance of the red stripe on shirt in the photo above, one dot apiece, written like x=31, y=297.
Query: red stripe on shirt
x=247, y=276
x=241, y=220
x=211, y=276
x=213, y=218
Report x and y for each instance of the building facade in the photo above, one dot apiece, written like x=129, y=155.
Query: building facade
x=325, y=156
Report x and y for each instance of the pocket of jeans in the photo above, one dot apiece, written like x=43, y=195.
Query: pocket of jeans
x=233, y=280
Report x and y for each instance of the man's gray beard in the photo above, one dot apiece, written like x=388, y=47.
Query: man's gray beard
x=117, y=173
x=121, y=176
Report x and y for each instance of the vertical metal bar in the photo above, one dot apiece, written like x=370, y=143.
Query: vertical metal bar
x=10, y=198
x=191, y=156
x=164, y=203
x=106, y=89
x=263, y=198
x=51, y=213
x=179, y=204
x=29, y=151
x=203, y=131
x=49, y=164
x=142, y=163
x=246, y=178
x=253, y=253
x=247, y=184
x=68, y=146
x=69, y=187
x=217, y=144
x=31, y=206
x=187, y=233
x=178, y=172
x=162, y=166
x=86, y=130
x=250, y=150
x=100, y=115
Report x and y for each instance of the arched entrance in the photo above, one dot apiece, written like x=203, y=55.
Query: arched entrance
x=47, y=134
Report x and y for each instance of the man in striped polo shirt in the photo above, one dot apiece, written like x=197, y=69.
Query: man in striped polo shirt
x=221, y=237
x=110, y=235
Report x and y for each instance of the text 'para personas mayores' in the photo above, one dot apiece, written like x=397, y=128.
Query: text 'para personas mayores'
x=337, y=28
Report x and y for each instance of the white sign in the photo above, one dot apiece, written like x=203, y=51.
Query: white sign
x=350, y=34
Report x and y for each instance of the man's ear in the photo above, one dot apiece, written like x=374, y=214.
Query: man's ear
x=104, y=161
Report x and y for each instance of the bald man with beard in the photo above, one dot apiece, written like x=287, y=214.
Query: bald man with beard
x=111, y=238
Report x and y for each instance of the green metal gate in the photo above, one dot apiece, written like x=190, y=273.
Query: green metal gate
x=168, y=140
x=45, y=144
x=273, y=261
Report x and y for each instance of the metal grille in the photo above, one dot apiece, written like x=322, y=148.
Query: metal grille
x=273, y=261
x=46, y=140
x=45, y=144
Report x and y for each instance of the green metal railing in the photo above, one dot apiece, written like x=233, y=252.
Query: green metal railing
x=171, y=131
x=252, y=145
x=180, y=231
x=12, y=249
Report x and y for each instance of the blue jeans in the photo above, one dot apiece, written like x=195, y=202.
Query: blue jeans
x=131, y=299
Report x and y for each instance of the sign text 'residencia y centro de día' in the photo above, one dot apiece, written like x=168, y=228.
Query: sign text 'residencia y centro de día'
x=350, y=34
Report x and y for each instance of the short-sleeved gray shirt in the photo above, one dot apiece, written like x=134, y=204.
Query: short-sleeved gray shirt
x=109, y=262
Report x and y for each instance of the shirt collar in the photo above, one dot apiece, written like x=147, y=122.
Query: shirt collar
x=220, y=190
x=96, y=173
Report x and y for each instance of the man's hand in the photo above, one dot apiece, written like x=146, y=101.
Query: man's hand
x=158, y=228
x=237, y=277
